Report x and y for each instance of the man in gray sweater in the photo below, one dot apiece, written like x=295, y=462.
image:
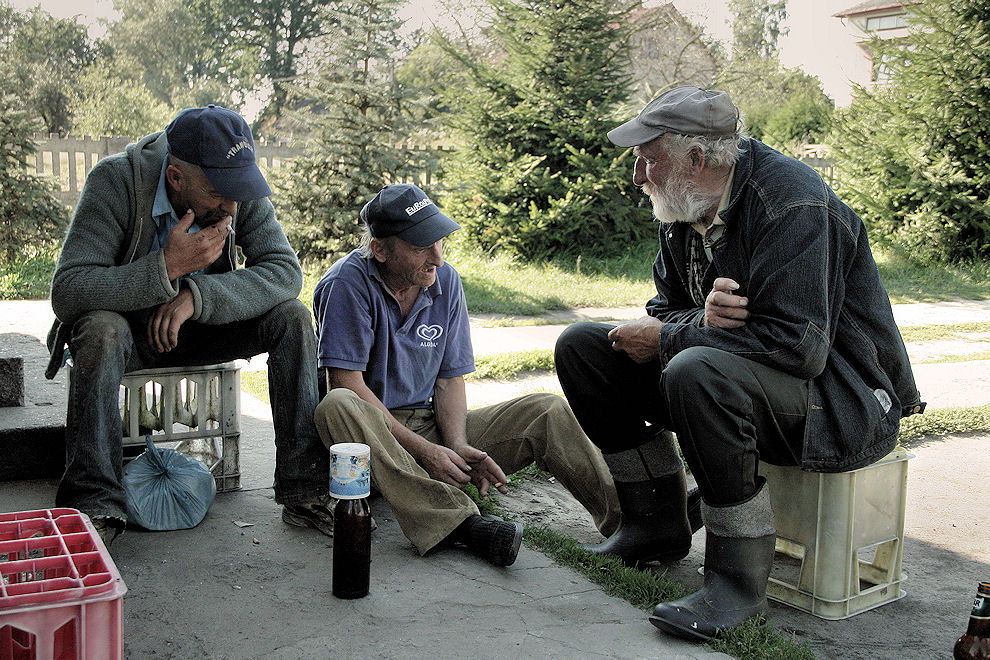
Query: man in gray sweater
x=149, y=277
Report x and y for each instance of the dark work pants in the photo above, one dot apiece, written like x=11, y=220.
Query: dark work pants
x=105, y=345
x=728, y=412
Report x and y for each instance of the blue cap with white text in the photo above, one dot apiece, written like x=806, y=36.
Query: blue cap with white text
x=219, y=141
x=403, y=210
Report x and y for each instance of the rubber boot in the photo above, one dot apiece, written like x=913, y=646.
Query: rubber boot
x=656, y=525
x=737, y=568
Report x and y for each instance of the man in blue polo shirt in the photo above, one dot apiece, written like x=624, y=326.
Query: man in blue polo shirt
x=394, y=336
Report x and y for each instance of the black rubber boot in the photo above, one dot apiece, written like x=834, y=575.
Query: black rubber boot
x=739, y=552
x=491, y=538
x=657, y=522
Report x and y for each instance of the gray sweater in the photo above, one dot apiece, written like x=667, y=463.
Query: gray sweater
x=107, y=262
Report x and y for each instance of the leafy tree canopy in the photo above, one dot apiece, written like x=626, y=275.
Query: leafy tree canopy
x=108, y=103
x=42, y=56
x=170, y=48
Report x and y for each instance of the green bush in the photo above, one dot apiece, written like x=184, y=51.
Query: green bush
x=911, y=154
x=29, y=215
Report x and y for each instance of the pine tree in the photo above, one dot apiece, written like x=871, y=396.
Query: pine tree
x=355, y=112
x=913, y=152
x=535, y=174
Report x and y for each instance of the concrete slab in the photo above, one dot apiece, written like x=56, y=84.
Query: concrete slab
x=264, y=591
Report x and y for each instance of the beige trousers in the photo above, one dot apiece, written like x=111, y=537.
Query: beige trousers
x=536, y=428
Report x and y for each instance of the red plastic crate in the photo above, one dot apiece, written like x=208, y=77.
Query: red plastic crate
x=60, y=593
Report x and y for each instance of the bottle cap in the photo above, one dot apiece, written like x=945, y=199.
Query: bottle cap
x=350, y=470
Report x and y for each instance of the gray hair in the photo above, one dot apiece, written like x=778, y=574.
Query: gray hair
x=718, y=152
x=365, y=238
x=364, y=241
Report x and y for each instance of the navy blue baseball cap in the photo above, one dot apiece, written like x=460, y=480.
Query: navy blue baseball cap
x=405, y=211
x=219, y=141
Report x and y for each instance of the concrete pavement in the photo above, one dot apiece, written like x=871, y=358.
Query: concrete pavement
x=225, y=591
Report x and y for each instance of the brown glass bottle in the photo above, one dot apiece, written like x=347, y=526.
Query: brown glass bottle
x=975, y=642
x=351, y=548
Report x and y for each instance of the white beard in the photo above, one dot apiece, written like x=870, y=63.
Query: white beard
x=676, y=201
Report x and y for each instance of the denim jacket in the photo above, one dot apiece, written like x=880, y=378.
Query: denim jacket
x=818, y=310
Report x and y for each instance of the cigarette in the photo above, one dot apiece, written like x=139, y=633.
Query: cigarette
x=499, y=484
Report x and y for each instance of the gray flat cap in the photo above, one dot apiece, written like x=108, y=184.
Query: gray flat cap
x=685, y=110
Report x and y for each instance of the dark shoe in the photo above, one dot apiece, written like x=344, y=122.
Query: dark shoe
x=310, y=514
x=491, y=538
x=658, y=519
x=107, y=528
x=314, y=514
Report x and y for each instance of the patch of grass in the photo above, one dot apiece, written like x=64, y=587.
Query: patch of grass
x=644, y=589
x=754, y=640
x=28, y=276
x=969, y=357
x=943, y=421
x=504, y=285
x=517, y=321
x=255, y=383
x=937, y=332
x=907, y=281
x=504, y=365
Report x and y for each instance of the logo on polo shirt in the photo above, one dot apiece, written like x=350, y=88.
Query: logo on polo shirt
x=421, y=204
x=429, y=334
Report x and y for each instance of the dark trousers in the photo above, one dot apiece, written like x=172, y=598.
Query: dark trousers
x=728, y=412
x=105, y=345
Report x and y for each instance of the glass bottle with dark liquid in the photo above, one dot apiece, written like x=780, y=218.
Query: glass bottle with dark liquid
x=351, y=548
x=975, y=642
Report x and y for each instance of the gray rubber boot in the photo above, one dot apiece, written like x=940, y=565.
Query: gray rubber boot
x=738, y=557
x=659, y=516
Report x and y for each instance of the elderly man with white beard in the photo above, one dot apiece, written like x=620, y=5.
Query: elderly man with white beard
x=770, y=338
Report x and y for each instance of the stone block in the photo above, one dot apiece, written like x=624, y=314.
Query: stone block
x=11, y=382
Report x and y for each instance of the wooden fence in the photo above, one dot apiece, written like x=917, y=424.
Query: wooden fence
x=69, y=159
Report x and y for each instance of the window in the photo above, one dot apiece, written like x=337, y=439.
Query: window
x=875, y=23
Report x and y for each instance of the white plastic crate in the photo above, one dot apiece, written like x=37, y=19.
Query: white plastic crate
x=196, y=408
x=839, y=536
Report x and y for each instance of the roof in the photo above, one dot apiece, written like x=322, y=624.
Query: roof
x=870, y=6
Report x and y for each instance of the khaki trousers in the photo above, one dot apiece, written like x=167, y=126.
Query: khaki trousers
x=536, y=428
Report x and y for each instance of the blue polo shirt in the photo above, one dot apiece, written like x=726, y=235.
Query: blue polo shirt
x=359, y=327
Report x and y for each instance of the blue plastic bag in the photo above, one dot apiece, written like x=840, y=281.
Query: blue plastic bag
x=167, y=490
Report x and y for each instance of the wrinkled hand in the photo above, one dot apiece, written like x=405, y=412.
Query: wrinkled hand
x=163, y=326
x=723, y=308
x=640, y=339
x=444, y=464
x=485, y=472
x=186, y=253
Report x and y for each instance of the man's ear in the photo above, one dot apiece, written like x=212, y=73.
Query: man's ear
x=378, y=250
x=697, y=161
x=174, y=177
